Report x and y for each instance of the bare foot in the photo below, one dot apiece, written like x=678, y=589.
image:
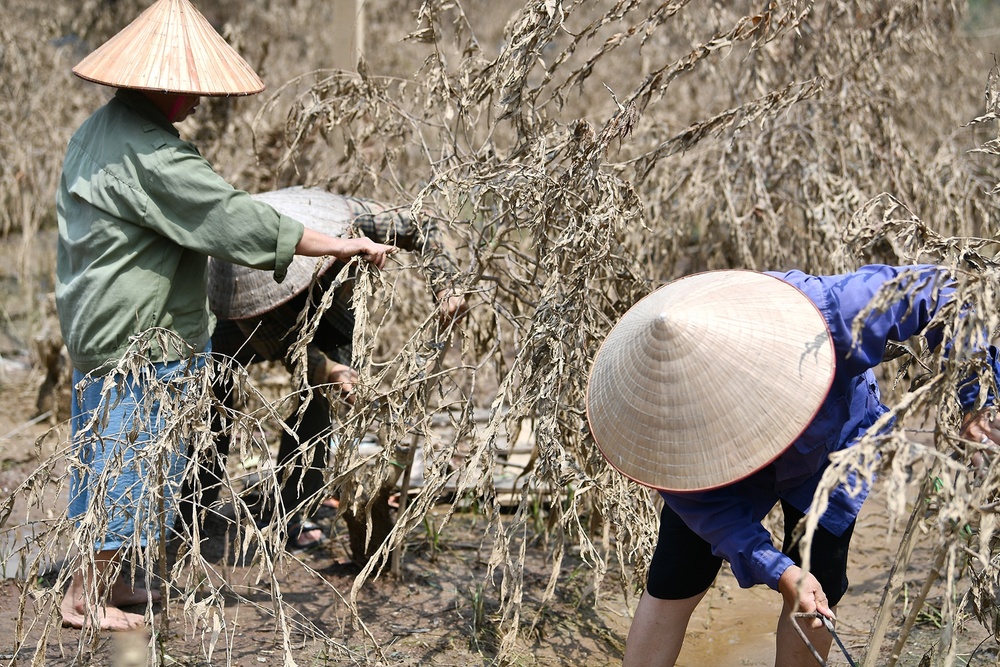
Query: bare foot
x=107, y=618
x=308, y=537
x=124, y=594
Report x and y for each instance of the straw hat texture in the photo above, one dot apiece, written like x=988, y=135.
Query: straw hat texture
x=708, y=379
x=171, y=47
x=236, y=292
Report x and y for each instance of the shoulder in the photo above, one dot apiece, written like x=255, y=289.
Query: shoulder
x=816, y=288
x=118, y=132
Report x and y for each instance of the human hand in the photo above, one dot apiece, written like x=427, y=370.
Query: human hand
x=343, y=378
x=372, y=252
x=982, y=427
x=803, y=593
x=316, y=244
x=452, y=306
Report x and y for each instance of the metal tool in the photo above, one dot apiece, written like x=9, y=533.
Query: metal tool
x=828, y=624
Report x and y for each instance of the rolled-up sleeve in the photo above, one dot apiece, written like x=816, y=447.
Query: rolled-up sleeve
x=189, y=203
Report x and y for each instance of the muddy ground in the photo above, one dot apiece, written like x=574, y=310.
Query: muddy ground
x=440, y=610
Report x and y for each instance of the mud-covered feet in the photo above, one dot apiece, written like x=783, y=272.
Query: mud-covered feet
x=107, y=617
x=125, y=594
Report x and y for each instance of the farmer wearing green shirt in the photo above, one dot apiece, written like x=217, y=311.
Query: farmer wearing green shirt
x=139, y=212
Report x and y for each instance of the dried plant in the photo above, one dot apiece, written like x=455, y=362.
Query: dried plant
x=579, y=157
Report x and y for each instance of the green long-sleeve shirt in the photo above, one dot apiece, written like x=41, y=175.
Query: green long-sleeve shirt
x=140, y=211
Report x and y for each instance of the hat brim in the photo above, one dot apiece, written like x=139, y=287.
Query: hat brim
x=238, y=292
x=171, y=47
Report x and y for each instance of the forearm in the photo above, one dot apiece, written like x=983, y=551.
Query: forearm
x=316, y=244
x=726, y=521
x=318, y=366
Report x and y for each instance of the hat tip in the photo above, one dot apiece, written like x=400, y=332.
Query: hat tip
x=662, y=326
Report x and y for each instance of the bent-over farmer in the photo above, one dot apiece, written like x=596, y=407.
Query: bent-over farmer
x=260, y=320
x=728, y=391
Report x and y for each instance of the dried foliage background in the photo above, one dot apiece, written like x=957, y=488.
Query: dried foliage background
x=579, y=153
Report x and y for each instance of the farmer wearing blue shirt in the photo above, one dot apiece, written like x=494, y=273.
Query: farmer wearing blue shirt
x=728, y=391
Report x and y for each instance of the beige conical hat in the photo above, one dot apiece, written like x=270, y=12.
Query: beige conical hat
x=171, y=48
x=708, y=379
x=237, y=292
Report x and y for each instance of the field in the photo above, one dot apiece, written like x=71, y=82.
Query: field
x=577, y=155
x=442, y=607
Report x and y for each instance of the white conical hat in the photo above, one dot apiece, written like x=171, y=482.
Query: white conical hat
x=237, y=292
x=708, y=379
x=171, y=48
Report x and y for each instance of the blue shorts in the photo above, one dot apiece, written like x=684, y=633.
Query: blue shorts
x=124, y=470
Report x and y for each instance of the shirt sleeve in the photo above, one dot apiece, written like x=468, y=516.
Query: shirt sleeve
x=725, y=520
x=189, y=203
x=923, y=290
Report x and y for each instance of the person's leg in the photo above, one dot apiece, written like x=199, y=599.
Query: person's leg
x=829, y=566
x=202, y=492
x=301, y=484
x=90, y=602
x=680, y=573
x=657, y=631
x=790, y=650
x=98, y=589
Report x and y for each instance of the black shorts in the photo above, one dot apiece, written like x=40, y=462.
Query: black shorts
x=683, y=564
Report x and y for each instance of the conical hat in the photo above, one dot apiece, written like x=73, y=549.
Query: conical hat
x=708, y=379
x=171, y=48
x=236, y=292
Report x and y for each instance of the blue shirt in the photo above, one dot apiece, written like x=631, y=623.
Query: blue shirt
x=729, y=518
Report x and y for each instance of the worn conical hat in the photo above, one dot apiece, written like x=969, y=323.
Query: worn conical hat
x=237, y=292
x=171, y=48
x=708, y=379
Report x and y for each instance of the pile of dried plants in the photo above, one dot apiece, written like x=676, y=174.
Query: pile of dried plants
x=580, y=154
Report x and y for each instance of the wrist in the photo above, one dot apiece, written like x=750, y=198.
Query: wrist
x=788, y=580
x=320, y=373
